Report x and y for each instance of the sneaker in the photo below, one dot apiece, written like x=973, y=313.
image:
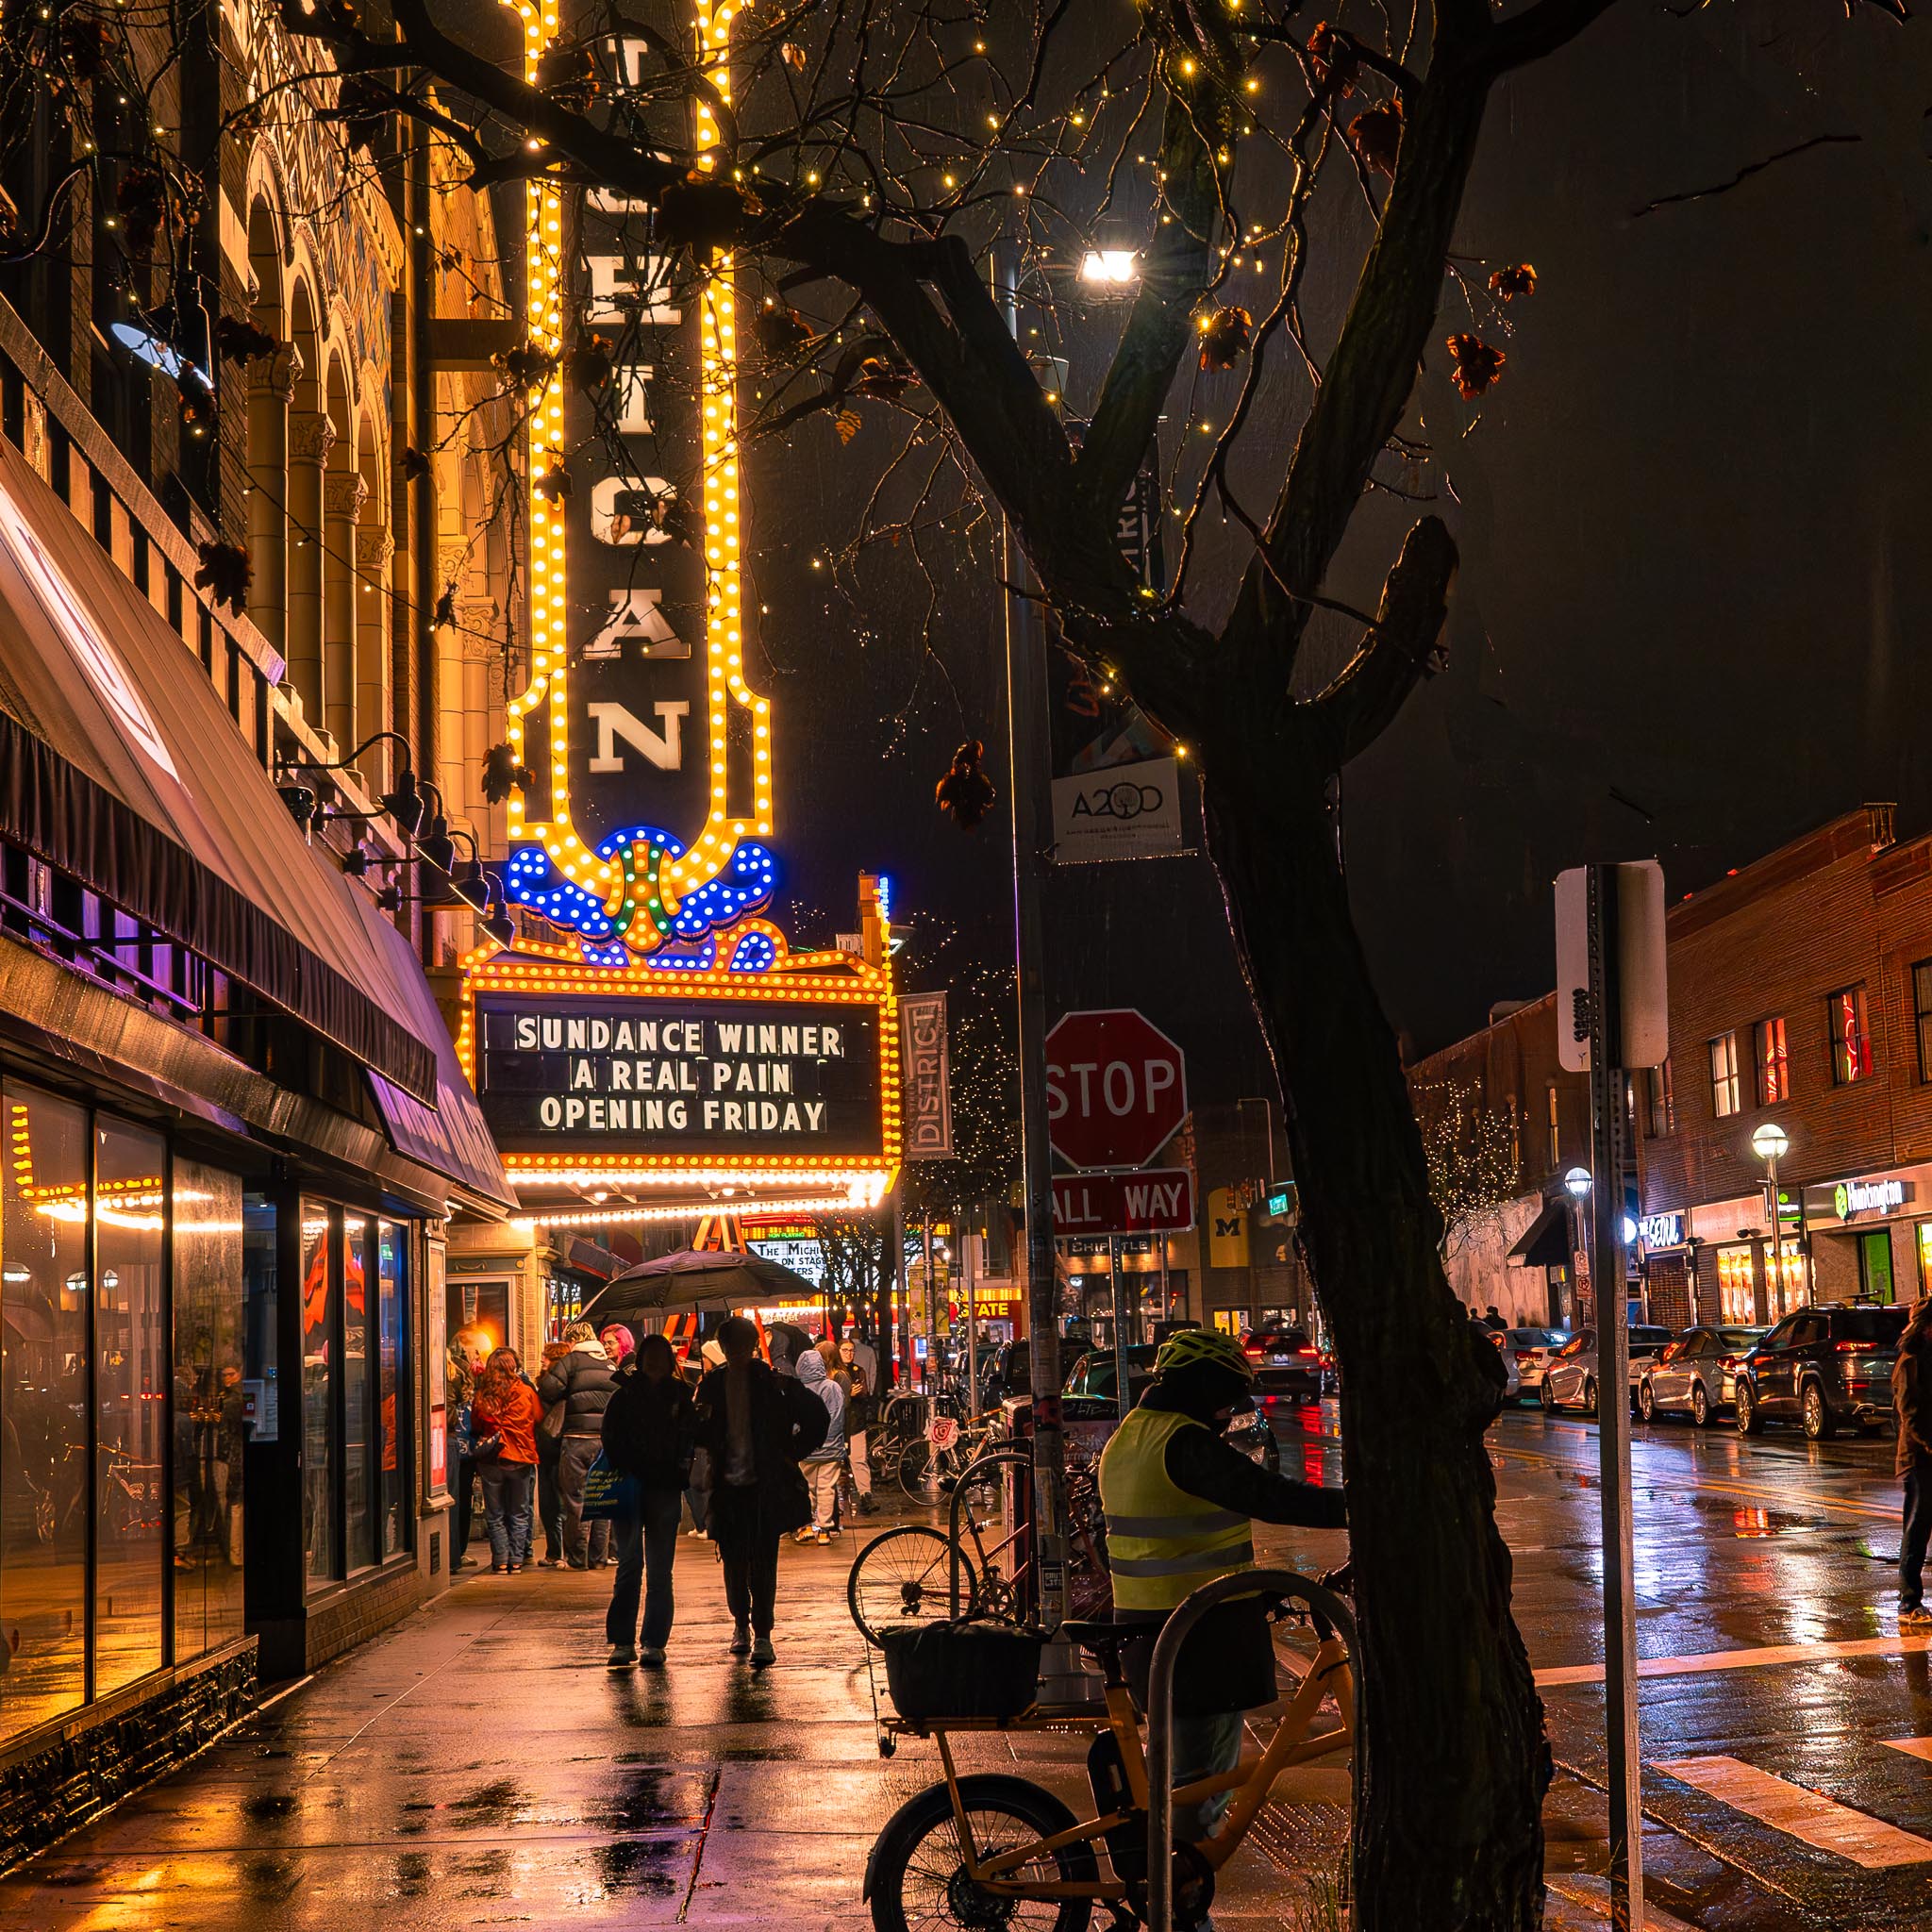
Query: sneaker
x=803, y=1535
x=762, y=1653
x=825, y=1538
x=652, y=1654
x=498, y=1569
x=514, y=1567
x=741, y=1638
x=698, y=1533
x=550, y=1562
x=1916, y=1618
x=622, y=1656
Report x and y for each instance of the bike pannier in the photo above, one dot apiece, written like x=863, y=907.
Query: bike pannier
x=961, y=1670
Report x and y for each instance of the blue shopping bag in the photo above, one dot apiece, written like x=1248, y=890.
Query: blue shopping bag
x=608, y=1494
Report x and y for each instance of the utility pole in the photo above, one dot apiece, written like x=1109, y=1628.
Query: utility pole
x=1026, y=768
x=1613, y=1400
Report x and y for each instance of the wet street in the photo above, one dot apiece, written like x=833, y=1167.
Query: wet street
x=477, y=1766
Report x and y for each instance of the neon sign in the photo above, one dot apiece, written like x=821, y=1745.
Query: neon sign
x=651, y=753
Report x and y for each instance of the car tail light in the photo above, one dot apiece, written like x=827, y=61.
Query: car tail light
x=1731, y=1361
x=1525, y=1358
x=1308, y=1354
x=1268, y=1401
x=1851, y=1347
x=1252, y=1348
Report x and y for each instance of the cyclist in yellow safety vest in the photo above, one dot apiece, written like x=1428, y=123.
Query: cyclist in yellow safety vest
x=1181, y=1505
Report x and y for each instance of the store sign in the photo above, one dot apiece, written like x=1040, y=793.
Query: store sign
x=1869, y=1197
x=717, y=1078
x=922, y=1054
x=1228, y=1229
x=1661, y=1230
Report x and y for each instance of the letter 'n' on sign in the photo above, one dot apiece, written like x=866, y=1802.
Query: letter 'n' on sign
x=665, y=748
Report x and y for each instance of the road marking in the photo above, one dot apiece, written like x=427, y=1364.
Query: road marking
x=1756, y=1493
x=1742, y=1660
x=1807, y=1815
x=1912, y=1747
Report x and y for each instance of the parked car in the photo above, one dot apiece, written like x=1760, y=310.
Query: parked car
x=1828, y=1368
x=1696, y=1374
x=1532, y=1349
x=1092, y=1380
x=1011, y=1373
x=1512, y=1376
x=1569, y=1380
x=1287, y=1364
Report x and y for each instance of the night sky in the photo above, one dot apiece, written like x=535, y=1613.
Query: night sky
x=1692, y=516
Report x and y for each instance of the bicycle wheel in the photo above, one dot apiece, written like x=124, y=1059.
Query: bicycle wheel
x=905, y=1576
x=917, y=1476
x=916, y=1875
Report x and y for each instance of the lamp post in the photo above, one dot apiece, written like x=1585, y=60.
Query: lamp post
x=1771, y=1144
x=1576, y=1184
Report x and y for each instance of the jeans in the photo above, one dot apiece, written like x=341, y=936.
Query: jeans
x=646, y=1547
x=861, y=1466
x=1203, y=1747
x=750, y=1557
x=462, y=1481
x=507, y=1488
x=584, y=1543
x=1915, y=1535
x=822, y=1478
x=549, y=1501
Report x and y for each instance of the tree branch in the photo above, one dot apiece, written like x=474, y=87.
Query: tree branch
x=1396, y=652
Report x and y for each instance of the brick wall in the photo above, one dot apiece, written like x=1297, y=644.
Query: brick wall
x=58, y=1778
x=362, y=1610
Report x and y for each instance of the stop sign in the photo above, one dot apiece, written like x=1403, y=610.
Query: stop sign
x=1116, y=1088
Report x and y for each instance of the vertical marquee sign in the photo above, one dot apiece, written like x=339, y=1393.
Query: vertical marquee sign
x=651, y=754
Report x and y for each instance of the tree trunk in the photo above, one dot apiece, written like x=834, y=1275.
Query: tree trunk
x=1452, y=1760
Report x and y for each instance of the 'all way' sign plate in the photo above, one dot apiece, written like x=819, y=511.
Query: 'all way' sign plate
x=1152, y=1200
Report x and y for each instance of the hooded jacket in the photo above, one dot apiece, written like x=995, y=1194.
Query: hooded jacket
x=582, y=1380
x=650, y=1428
x=786, y=1422
x=811, y=1372
x=1911, y=1388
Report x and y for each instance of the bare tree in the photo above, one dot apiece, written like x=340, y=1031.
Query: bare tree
x=1476, y=1161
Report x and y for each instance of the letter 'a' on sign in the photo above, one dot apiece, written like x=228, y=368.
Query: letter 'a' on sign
x=1644, y=1005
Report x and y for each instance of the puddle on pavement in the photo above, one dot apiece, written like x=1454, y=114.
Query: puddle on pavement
x=496, y=1803
x=414, y=1875
x=1751, y=1523
x=272, y=1878
x=652, y=1868
x=263, y=1805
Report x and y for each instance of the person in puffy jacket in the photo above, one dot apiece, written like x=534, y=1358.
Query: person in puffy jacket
x=504, y=1412
x=582, y=1382
x=650, y=1435
x=823, y=1465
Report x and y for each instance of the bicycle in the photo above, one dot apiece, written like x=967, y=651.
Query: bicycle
x=971, y=1851
x=952, y=1446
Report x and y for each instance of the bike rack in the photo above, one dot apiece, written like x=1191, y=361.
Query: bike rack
x=1023, y=1457
x=1167, y=1649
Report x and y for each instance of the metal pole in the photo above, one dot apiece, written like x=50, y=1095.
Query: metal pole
x=1026, y=768
x=1120, y=1326
x=901, y=1338
x=932, y=1327
x=1613, y=1404
x=968, y=1267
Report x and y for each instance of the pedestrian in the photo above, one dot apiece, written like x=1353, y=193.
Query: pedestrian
x=582, y=1382
x=756, y=1427
x=1494, y=1322
x=1181, y=1505
x=823, y=1465
x=504, y=1414
x=549, y=1449
x=697, y=1490
x=617, y=1341
x=1911, y=1403
x=462, y=1359
x=649, y=1434
x=862, y=1406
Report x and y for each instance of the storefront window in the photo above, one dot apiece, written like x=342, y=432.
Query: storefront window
x=211, y=1407
x=129, y=1401
x=391, y=1392
x=1925, y=1258
x=43, y=1486
x=1850, y=1039
x=1737, y=1286
x=357, y=1412
x=1874, y=1265
x=318, y=1433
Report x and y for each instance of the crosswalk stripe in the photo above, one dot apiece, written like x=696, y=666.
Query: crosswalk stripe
x=1555, y=1678
x=1807, y=1815
x=1912, y=1747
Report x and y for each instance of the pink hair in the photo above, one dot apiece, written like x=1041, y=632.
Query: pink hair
x=618, y=1339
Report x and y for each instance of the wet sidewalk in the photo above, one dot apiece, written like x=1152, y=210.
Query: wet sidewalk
x=478, y=1766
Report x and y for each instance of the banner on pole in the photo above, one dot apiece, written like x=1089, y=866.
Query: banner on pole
x=922, y=1054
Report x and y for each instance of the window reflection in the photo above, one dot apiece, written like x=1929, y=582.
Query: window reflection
x=129, y=1401
x=358, y=1498
x=318, y=1434
x=43, y=1486
x=395, y=1525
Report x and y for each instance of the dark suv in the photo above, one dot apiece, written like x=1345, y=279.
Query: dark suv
x=1829, y=1368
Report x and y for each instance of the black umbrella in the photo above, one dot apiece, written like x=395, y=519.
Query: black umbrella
x=697, y=1280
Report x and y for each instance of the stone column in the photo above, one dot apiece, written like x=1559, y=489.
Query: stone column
x=344, y=492
x=310, y=437
x=374, y=709
x=271, y=389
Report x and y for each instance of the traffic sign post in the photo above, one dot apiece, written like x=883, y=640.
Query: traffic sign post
x=1116, y=1088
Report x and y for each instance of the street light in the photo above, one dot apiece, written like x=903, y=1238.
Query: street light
x=1577, y=1181
x=1771, y=1144
x=1110, y=268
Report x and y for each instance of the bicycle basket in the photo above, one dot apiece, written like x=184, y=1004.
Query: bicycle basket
x=964, y=1670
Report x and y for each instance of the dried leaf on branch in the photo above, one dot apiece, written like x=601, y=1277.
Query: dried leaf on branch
x=503, y=775
x=1334, y=59
x=554, y=485
x=1474, y=365
x=1377, y=135
x=590, y=367
x=238, y=340
x=782, y=331
x=1508, y=283
x=1225, y=337
x=225, y=573
x=527, y=366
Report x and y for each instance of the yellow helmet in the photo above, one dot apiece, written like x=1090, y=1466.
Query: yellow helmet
x=1204, y=1347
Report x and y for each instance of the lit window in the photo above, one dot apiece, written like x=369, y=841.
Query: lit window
x=1556, y=1135
x=1773, y=1063
x=1723, y=1075
x=1663, y=1105
x=1851, y=1037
